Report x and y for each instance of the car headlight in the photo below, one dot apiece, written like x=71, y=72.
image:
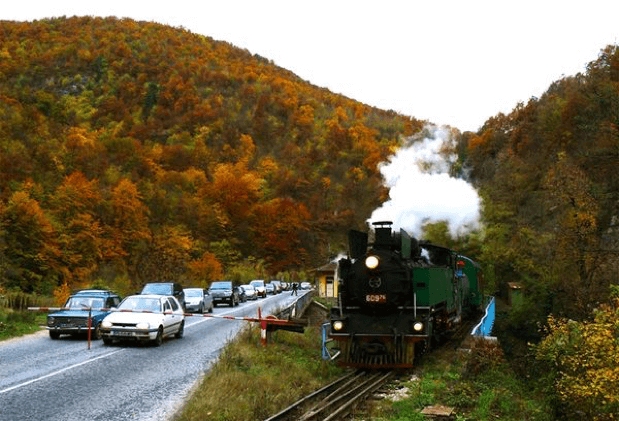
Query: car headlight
x=51, y=321
x=418, y=326
x=338, y=325
x=142, y=326
x=106, y=324
x=371, y=262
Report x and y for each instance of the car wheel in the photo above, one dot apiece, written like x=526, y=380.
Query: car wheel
x=201, y=308
x=210, y=310
x=159, y=339
x=96, y=334
x=107, y=341
x=54, y=335
x=181, y=330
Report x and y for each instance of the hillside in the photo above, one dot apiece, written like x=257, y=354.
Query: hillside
x=548, y=174
x=133, y=151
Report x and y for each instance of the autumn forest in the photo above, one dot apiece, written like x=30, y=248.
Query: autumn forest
x=134, y=152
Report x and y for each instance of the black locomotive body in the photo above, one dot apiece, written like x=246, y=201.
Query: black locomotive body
x=397, y=295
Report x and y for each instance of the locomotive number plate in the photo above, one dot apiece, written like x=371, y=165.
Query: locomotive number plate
x=376, y=298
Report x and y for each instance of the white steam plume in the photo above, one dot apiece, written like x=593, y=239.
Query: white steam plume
x=421, y=189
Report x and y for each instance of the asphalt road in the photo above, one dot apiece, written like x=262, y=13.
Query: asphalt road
x=44, y=379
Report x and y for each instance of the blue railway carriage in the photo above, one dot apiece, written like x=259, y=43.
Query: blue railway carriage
x=398, y=295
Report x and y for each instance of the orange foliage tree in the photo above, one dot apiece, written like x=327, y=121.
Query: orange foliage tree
x=277, y=232
x=205, y=270
x=127, y=230
x=31, y=245
x=81, y=236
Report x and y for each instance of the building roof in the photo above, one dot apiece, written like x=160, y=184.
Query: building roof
x=329, y=267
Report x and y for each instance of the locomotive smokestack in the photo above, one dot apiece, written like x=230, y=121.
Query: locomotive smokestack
x=382, y=234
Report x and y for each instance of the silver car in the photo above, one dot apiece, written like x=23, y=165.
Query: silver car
x=198, y=300
x=147, y=318
x=250, y=292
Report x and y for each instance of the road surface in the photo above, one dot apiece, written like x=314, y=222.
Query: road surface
x=44, y=379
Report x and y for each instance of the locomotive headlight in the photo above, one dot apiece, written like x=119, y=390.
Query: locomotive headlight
x=371, y=262
x=338, y=325
x=418, y=326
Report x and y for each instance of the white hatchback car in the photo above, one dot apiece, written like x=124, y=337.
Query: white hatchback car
x=260, y=288
x=144, y=318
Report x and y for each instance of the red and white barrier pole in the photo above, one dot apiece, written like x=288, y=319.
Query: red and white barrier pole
x=89, y=325
x=263, y=328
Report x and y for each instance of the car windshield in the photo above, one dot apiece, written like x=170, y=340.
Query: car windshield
x=85, y=302
x=257, y=283
x=248, y=287
x=221, y=285
x=193, y=293
x=161, y=289
x=140, y=303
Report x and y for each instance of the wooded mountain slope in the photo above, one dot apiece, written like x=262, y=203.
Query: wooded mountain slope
x=548, y=172
x=137, y=150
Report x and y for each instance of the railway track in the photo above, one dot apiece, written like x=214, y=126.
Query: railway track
x=336, y=400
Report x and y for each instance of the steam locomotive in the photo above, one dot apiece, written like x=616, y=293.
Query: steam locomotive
x=398, y=295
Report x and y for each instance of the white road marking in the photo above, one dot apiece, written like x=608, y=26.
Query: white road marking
x=59, y=371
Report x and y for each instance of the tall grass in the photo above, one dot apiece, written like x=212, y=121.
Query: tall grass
x=15, y=319
x=18, y=323
x=252, y=382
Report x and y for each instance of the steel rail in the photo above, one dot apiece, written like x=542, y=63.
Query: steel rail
x=282, y=415
x=334, y=400
x=374, y=384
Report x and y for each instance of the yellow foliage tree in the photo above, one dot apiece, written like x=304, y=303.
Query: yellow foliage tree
x=584, y=362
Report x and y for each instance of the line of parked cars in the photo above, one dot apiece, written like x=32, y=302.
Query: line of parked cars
x=155, y=313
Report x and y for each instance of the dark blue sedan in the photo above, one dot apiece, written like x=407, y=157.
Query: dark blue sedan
x=74, y=320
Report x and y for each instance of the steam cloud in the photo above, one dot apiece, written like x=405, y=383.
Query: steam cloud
x=421, y=189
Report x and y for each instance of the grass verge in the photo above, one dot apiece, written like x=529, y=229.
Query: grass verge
x=253, y=382
x=478, y=385
x=19, y=323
